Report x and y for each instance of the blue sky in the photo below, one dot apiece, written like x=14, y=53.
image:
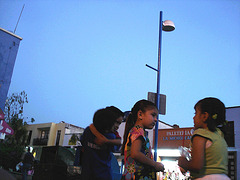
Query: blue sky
x=78, y=56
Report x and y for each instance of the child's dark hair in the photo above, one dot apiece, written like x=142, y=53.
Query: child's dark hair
x=216, y=110
x=103, y=120
x=117, y=112
x=142, y=105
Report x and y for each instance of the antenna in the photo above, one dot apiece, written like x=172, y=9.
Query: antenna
x=19, y=19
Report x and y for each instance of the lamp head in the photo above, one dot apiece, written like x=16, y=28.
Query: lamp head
x=168, y=26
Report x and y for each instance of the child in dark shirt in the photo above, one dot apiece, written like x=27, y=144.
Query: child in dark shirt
x=98, y=141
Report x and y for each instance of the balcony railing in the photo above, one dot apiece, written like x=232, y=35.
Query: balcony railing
x=40, y=141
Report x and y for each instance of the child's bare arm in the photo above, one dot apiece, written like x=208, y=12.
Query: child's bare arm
x=140, y=157
x=114, y=141
x=198, y=151
x=101, y=139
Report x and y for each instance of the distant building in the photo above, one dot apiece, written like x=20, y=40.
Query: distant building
x=53, y=134
x=233, y=140
x=9, y=44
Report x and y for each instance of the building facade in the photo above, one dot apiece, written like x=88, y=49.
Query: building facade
x=233, y=118
x=53, y=134
x=9, y=44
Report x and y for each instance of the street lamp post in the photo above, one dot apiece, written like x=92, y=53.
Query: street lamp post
x=163, y=26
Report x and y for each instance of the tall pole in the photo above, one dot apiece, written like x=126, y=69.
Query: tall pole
x=158, y=86
x=19, y=19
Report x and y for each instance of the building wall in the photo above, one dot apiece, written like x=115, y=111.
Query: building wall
x=52, y=135
x=35, y=130
x=53, y=128
x=233, y=114
x=174, y=138
x=9, y=44
x=61, y=127
x=70, y=130
x=121, y=130
x=151, y=133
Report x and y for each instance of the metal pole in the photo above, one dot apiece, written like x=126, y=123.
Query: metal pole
x=19, y=19
x=158, y=85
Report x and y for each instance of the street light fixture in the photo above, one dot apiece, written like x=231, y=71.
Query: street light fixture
x=167, y=26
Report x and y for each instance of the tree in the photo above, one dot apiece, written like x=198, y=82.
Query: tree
x=73, y=140
x=14, y=117
x=14, y=106
x=13, y=146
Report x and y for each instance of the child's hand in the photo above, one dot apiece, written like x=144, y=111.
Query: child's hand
x=100, y=139
x=159, y=166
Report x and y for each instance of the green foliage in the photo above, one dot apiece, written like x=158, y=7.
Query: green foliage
x=20, y=132
x=12, y=146
x=10, y=155
x=14, y=106
x=73, y=140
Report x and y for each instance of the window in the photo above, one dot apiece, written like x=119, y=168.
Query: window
x=230, y=136
x=58, y=137
x=44, y=134
x=29, y=137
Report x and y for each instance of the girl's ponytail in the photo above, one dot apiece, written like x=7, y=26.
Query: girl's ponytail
x=128, y=126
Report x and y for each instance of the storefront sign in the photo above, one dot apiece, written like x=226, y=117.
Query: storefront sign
x=173, y=138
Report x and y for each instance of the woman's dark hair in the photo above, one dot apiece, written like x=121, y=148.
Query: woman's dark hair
x=216, y=110
x=103, y=120
x=117, y=112
x=142, y=105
